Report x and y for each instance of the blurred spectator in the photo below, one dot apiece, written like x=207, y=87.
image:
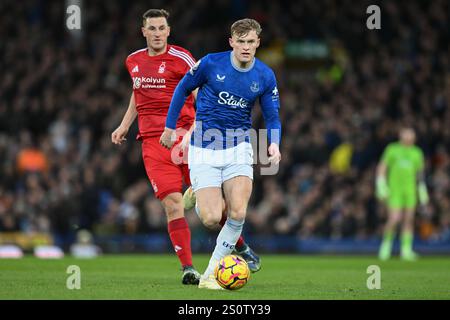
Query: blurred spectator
x=84, y=246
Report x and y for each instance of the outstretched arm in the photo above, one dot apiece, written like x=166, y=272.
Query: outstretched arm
x=382, y=189
x=270, y=106
x=182, y=91
x=422, y=188
x=118, y=136
x=192, y=80
x=273, y=125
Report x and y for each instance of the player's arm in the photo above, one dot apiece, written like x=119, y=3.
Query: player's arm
x=422, y=188
x=184, y=144
x=421, y=185
x=194, y=93
x=270, y=106
x=381, y=186
x=187, y=136
x=118, y=136
x=191, y=81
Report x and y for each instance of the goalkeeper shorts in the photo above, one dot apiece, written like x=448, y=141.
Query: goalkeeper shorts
x=402, y=198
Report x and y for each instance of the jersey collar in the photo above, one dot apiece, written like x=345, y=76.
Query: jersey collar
x=159, y=55
x=239, y=68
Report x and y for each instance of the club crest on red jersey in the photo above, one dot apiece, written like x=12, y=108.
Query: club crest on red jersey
x=162, y=67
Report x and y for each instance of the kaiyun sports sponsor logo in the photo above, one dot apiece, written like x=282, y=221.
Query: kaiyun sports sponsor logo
x=148, y=82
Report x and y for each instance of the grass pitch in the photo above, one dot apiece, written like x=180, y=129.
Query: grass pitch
x=282, y=277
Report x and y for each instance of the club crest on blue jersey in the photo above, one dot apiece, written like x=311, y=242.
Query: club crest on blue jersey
x=254, y=87
x=275, y=94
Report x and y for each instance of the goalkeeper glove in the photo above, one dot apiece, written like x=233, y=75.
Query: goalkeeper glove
x=382, y=188
x=423, y=194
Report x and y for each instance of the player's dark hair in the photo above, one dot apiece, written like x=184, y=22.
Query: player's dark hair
x=242, y=27
x=155, y=13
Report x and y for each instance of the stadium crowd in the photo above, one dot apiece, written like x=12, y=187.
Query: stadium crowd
x=63, y=93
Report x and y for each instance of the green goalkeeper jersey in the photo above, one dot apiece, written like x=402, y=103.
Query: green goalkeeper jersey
x=403, y=163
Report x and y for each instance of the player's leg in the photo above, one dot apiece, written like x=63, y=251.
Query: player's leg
x=240, y=164
x=206, y=183
x=180, y=235
x=208, y=208
x=166, y=180
x=407, y=232
x=237, y=193
x=394, y=218
x=407, y=236
x=210, y=212
x=241, y=170
x=237, y=177
x=209, y=194
x=241, y=247
x=394, y=205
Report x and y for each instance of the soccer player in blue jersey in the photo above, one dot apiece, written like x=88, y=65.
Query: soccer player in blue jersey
x=220, y=155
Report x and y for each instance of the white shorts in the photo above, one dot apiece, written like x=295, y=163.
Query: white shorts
x=211, y=168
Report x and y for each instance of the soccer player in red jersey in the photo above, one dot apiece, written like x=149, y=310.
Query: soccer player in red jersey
x=156, y=71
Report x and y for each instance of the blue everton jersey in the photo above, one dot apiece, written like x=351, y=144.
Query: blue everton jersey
x=226, y=97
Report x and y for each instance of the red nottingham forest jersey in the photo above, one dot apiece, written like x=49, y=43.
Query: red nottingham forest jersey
x=154, y=81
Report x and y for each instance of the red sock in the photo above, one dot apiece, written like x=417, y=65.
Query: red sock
x=240, y=241
x=180, y=235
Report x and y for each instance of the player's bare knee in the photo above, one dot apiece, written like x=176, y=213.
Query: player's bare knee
x=394, y=219
x=408, y=221
x=238, y=214
x=393, y=223
x=174, y=212
x=173, y=207
x=211, y=219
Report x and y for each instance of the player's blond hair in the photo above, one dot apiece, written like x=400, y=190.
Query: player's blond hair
x=242, y=27
x=155, y=13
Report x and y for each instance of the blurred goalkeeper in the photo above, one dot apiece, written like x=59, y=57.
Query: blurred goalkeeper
x=400, y=182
